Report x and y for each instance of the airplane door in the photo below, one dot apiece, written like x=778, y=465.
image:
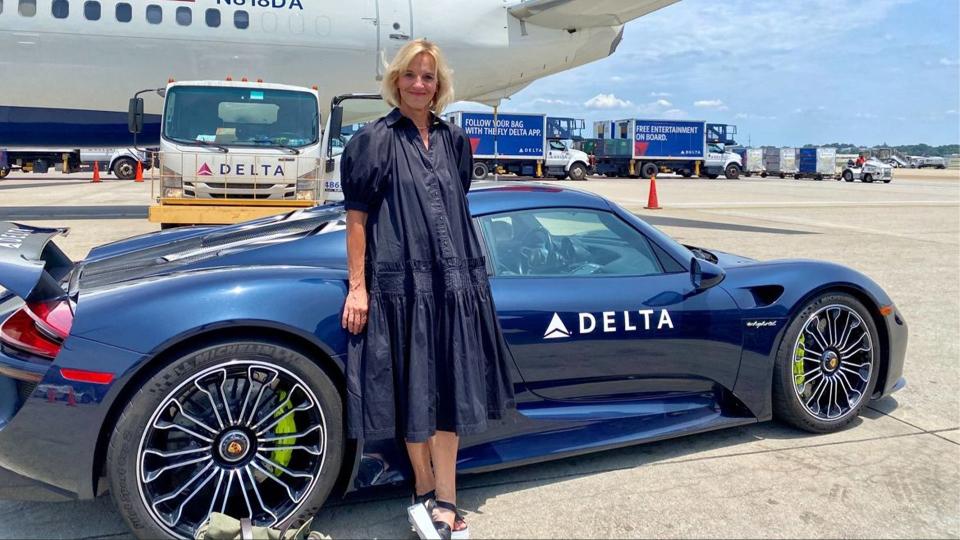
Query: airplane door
x=395, y=23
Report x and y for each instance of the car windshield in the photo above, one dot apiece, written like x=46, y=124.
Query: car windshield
x=235, y=116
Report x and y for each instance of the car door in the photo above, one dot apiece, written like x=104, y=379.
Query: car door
x=557, y=154
x=594, y=311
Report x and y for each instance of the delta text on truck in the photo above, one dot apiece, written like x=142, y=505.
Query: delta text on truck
x=637, y=147
x=231, y=151
x=523, y=144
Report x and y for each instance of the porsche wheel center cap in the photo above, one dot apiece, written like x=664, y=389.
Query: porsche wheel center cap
x=831, y=361
x=234, y=446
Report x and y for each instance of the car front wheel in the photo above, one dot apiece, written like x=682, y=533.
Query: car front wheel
x=246, y=428
x=827, y=364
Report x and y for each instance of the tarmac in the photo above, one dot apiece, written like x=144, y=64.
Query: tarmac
x=895, y=473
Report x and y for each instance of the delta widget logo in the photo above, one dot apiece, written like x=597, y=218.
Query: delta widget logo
x=204, y=170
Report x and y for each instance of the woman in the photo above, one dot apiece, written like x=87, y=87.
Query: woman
x=427, y=360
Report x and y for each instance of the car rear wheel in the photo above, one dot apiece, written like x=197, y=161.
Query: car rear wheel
x=867, y=178
x=848, y=176
x=250, y=429
x=827, y=364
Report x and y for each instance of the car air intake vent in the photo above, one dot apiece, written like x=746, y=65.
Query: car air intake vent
x=765, y=295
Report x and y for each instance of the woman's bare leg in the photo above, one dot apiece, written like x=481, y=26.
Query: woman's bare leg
x=443, y=450
x=422, y=469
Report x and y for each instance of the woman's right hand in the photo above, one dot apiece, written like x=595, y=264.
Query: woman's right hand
x=355, y=310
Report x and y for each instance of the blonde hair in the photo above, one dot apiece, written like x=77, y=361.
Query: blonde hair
x=402, y=61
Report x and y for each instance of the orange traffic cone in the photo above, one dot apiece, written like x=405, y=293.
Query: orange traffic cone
x=652, y=202
x=139, y=172
x=96, y=171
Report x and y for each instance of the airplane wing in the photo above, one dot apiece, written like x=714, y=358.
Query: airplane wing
x=576, y=14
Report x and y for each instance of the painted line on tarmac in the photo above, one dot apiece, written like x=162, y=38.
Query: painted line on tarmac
x=72, y=212
x=43, y=185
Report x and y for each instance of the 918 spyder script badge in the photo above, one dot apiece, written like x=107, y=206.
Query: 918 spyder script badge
x=609, y=322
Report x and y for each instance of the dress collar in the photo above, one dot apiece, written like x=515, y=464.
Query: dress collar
x=396, y=116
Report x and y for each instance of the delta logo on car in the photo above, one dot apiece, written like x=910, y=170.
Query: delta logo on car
x=204, y=170
x=608, y=322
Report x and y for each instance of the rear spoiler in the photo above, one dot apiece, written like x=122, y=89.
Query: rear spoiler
x=31, y=266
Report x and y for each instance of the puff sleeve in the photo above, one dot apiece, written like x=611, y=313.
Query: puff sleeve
x=363, y=170
x=464, y=154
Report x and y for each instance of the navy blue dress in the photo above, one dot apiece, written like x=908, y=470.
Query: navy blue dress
x=432, y=355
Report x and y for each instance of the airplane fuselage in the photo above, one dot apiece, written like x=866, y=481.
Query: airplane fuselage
x=67, y=78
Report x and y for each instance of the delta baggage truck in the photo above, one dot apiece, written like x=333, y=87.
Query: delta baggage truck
x=519, y=144
x=636, y=147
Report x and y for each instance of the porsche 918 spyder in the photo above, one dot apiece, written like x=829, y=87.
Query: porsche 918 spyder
x=200, y=369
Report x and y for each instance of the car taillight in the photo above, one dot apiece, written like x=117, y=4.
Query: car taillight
x=38, y=328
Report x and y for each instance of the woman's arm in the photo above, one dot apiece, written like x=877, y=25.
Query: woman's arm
x=355, y=308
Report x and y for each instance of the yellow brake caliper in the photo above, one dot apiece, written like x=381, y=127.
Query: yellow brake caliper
x=798, y=377
x=285, y=426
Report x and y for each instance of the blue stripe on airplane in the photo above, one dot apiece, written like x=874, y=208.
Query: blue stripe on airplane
x=35, y=126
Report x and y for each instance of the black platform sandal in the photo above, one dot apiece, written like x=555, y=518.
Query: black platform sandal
x=420, y=515
x=459, y=530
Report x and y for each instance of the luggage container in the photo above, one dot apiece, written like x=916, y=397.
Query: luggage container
x=753, y=162
x=780, y=161
x=816, y=163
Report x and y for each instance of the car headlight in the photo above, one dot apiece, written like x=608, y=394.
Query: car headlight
x=306, y=195
x=172, y=193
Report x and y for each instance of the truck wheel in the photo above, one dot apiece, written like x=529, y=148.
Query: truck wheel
x=847, y=176
x=762, y=175
x=249, y=428
x=818, y=177
x=732, y=171
x=782, y=175
x=480, y=170
x=578, y=171
x=886, y=180
x=747, y=174
x=649, y=170
x=797, y=176
x=125, y=168
x=868, y=178
x=4, y=172
x=686, y=173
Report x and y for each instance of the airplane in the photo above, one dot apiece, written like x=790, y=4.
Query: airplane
x=72, y=65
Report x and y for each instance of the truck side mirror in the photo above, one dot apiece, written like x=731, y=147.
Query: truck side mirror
x=336, y=119
x=135, y=115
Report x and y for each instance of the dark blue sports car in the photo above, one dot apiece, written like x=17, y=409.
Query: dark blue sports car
x=201, y=369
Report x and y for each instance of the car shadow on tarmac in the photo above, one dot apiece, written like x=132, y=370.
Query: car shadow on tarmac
x=380, y=512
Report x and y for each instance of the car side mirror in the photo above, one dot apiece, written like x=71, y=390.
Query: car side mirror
x=705, y=274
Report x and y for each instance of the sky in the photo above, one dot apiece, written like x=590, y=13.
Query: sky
x=786, y=72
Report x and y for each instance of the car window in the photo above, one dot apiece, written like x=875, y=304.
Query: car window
x=566, y=242
x=557, y=145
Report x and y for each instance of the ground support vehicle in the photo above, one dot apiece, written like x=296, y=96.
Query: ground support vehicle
x=213, y=357
x=122, y=162
x=872, y=170
x=816, y=163
x=522, y=144
x=780, y=162
x=643, y=148
x=752, y=159
x=234, y=150
x=934, y=162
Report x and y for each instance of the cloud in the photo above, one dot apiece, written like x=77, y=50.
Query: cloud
x=751, y=116
x=952, y=112
x=948, y=62
x=660, y=94
x=716, y=104
x=664, y=103
x=865, y=116
x=616, y=78
x=674, y=114
x=557, y=102
x=607, y=101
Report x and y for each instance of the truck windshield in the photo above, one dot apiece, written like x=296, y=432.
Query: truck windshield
x=233, y=116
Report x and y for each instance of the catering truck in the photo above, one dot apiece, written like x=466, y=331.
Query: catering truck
x=523, y=144
x=233, y=150
x=637, y=147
